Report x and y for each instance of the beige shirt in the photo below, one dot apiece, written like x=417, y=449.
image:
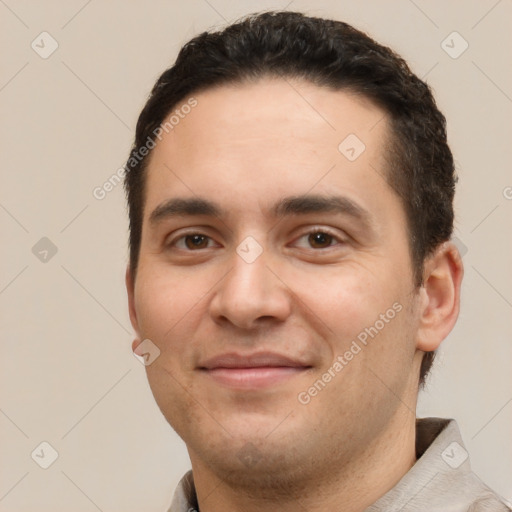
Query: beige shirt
x=440, y=481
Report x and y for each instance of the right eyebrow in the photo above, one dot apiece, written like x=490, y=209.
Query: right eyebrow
x=179, y=207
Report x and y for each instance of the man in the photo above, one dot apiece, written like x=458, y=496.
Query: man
x=290, y=196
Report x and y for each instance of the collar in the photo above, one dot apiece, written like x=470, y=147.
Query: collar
x=440, y=480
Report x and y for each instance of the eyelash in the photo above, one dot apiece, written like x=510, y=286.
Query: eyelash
x=334, y=236
x=313, y=231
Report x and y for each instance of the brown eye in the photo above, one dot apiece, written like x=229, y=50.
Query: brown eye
x=320, y=240
x=196, y=241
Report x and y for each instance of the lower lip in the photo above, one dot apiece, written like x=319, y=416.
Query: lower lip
x=253, y=378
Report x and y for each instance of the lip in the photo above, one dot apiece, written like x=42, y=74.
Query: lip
x=252, y=371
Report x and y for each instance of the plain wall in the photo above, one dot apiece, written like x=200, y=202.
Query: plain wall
x=67, y=373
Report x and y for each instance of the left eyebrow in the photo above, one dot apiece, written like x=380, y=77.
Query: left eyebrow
x=310, y=203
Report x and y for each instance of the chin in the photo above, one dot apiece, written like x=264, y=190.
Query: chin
x=258, y=465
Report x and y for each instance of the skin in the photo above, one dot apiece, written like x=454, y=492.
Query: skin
x=246, y=147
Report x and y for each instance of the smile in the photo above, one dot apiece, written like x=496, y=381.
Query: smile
x=251, y=378
x=252, y=371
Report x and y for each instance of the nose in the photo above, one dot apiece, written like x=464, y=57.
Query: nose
x=251, y=294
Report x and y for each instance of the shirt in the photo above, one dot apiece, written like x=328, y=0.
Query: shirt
x=441, y=480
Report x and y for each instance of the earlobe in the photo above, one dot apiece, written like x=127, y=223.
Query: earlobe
x=440, y=292
x=130, y=289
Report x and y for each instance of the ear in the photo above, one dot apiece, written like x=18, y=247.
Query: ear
x=130, y=288
x=440, y=296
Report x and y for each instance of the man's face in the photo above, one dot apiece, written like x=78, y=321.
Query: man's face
x=278, y=288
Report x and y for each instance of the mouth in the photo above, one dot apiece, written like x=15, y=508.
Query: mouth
x=254, y=371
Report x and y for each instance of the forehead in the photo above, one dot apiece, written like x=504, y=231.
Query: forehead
x=279, y=110
x=273, y=137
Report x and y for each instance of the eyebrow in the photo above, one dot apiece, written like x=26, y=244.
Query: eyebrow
x=288, y=206
x=182, y=207
x=310, y=203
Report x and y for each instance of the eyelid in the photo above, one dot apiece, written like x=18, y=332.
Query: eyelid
x=328, y=231
x=316, y=229
x=183, y=234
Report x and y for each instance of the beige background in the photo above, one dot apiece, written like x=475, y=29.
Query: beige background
x=68, y=376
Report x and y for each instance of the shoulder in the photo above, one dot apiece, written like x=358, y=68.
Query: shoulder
x=489, y=504
x=486, y=500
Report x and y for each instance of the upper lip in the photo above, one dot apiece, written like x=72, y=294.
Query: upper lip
x=260, y=359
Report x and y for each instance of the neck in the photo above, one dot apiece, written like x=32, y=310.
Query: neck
x=357, y=483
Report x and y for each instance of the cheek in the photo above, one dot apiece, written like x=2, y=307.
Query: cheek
x=345, y=300
x=168, y=305
x=170, y=308
x=363, y=313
